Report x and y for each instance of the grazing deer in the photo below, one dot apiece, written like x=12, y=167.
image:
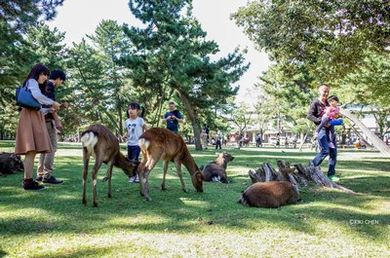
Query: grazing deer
x=216, y=170
x=101, y=143
x=272, y=194
x=160, y=143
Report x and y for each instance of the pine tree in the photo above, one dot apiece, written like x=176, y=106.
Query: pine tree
x=172, y=54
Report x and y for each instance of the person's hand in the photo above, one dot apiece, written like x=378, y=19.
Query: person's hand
x=56, y=105
x=173, y=117
x=58, y=125
x=65, y=105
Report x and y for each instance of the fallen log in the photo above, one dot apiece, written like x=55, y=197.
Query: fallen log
x=298, y=175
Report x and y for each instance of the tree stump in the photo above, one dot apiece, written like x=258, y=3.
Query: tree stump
x=298, y=175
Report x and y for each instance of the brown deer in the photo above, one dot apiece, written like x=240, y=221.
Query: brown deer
x=160, y=143
x=10, y=163
x=216, y=170
x=272, y=194
x=101, y=143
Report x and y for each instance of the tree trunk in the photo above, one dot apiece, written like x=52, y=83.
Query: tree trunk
x=298, y=175
x=375, y=140
x=303, y=139
x=120, y=125
x=193, y=118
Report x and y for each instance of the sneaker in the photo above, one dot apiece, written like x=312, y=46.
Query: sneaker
x=134, y=179
x=33, y=185
x=39, y=178
x=334, y=178
x=52, y=180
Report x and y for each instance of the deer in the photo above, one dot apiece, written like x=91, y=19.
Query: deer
x=10, y=163
x=272, y=194
x=216, y=170
x=98, y=141
x=161, y=143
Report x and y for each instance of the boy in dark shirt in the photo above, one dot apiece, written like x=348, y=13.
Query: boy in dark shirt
x=173, y=117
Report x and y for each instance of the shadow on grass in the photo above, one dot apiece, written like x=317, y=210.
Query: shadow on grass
x=92, y=251
x=172, y=210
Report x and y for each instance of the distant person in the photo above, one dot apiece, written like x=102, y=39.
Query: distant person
x=315, y=113
x=218, y=140
x=53, y=123
x=135, y=128
x=203, y=137
x=278, y=140
x=31, y=135
x=173, y=117
x=207, y=131
x=259, y=141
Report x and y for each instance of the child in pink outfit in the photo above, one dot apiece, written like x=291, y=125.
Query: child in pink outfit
x=332, y=113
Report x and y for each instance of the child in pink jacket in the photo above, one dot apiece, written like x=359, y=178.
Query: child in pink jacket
x=330, y=119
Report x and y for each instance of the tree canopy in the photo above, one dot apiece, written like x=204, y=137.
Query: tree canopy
x=171, y=54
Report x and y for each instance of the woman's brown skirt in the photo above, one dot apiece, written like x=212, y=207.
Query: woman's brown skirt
x=32, y=134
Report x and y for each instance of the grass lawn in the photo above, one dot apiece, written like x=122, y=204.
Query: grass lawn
x=327, y=223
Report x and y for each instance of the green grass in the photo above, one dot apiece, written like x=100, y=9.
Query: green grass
x=327, y=223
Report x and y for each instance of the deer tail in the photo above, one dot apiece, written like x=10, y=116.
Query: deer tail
x=143, y=143
x=89, y=140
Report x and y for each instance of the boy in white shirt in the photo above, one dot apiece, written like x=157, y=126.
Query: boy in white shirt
x=135, y=128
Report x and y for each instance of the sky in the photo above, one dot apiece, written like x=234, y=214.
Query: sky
x=80, y=17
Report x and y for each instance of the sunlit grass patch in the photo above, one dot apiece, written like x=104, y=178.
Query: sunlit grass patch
x=327, y=223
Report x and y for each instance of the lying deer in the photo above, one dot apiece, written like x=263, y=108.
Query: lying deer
x=272, y=194
x=101, y=143
x=160, y=143
x=10, y=163
x=216, y=170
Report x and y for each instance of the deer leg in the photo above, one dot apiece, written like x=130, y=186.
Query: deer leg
x=143, y=179
x=109, y=175
x=95, y=169
x=164, y=175
x=144, y=176
x=85, y=173
x=180, y=174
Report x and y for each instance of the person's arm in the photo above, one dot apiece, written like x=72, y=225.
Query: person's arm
x=312, y=115
x=124, y=136
x=144, y=126
x=33, y=86
x=179, y=117
x=165, y=117
x=57, y=121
